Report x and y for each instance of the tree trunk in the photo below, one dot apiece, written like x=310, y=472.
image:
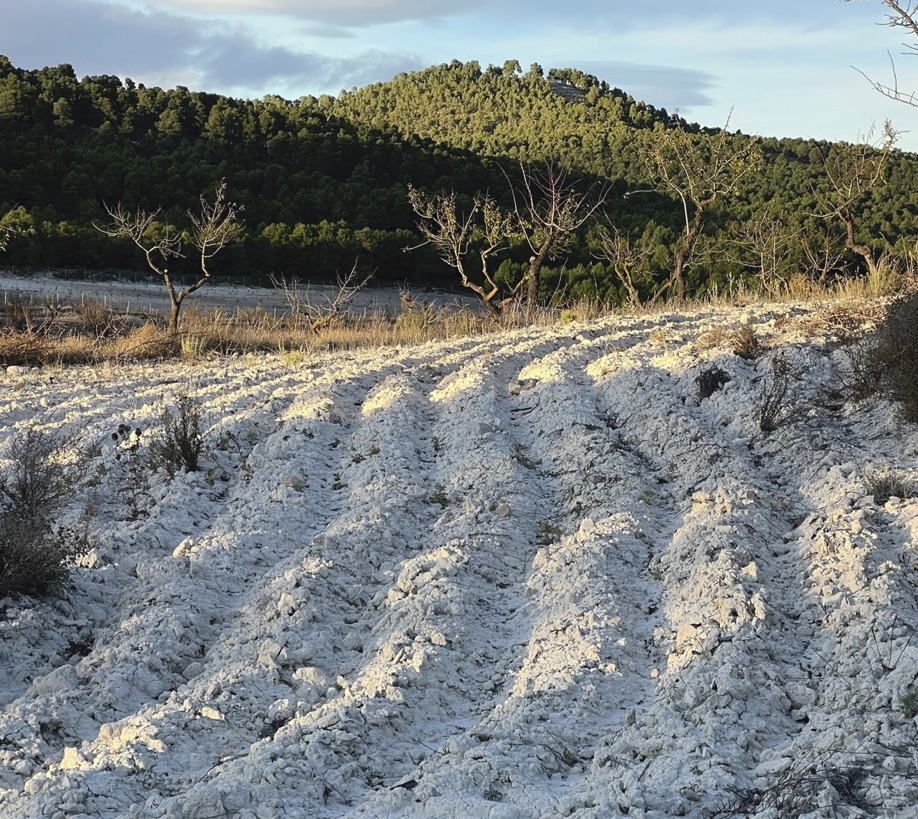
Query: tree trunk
x=175, y=307
x=856, y=247
x=684, y=252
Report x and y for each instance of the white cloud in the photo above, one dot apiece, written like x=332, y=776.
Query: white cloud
x=345, y=13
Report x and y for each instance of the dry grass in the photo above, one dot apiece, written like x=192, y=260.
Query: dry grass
x=107, y=338
x=41, y=333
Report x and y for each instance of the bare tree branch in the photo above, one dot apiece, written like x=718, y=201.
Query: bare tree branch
x=763, y=245
x=905, y=16
x=215, y=227
x=484, y=230
x=626, y=259
x=852, y=173
x=549, y=210
x=697, y=170
x=320, y=315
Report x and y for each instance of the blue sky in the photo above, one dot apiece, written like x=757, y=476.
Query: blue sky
x=783, y=67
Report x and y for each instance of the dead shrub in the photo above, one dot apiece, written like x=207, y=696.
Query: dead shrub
x=745, y=342
x=147, y=342
x=96, y=318
x=23, y=349
x=776, y=407
x=886, y=483
x=710, y=380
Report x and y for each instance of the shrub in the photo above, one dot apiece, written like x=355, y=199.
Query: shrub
x=775, y=407
x=710, y=380
x=746, y=343
x=35, y=551
x=180, y=444
x=890, y=364
x=37, y=480
x=888, y=483
x=23, y=349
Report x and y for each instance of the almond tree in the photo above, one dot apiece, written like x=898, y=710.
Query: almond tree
x=627, y=259
x=549, y=210
x=852, y=173
x=212, y=228
x=484, y=230
x=900, y=15
x=765, y=245
x=697, y=169
x=316, y=316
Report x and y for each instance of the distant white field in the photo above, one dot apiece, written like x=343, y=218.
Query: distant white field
x=151, y=297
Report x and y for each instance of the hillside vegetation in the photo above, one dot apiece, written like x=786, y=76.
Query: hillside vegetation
x=324, y=181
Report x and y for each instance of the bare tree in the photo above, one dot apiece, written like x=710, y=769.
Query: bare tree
x=627, y=258
x=899, y=15
x=824, y=252
x=697, y=170
x=212, y=229
x=484, y=230
x=549, y=210
x=763, y=244
x=318, y=315
x=852, y=173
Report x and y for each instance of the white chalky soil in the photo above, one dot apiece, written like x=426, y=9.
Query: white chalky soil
x=527, y=575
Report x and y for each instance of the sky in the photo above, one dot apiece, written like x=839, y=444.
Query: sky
x=777, y=68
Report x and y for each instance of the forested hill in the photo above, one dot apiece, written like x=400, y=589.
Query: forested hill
x=504, y=113
x=324, y=181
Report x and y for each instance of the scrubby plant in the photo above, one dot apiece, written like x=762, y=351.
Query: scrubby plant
x=36, y=551
x=180, y=444
x=439, y=496
x=888, y=483
x=890, y=363
x=548, y=532
x=909, y=705
x=37, y=479
x=775, y=404
x=710, y=380
x=745, y=342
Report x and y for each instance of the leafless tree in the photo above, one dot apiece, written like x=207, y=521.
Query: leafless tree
x=212, y=229
x=319, y=314
x=764, y=245
x=902, y=15
x=852, y=173
x=627, y=259
x=697, y=169
x=549, y=210
x=485, y=230
x=824, y=252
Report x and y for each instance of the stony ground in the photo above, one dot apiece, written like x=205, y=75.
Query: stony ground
x=527, y=575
